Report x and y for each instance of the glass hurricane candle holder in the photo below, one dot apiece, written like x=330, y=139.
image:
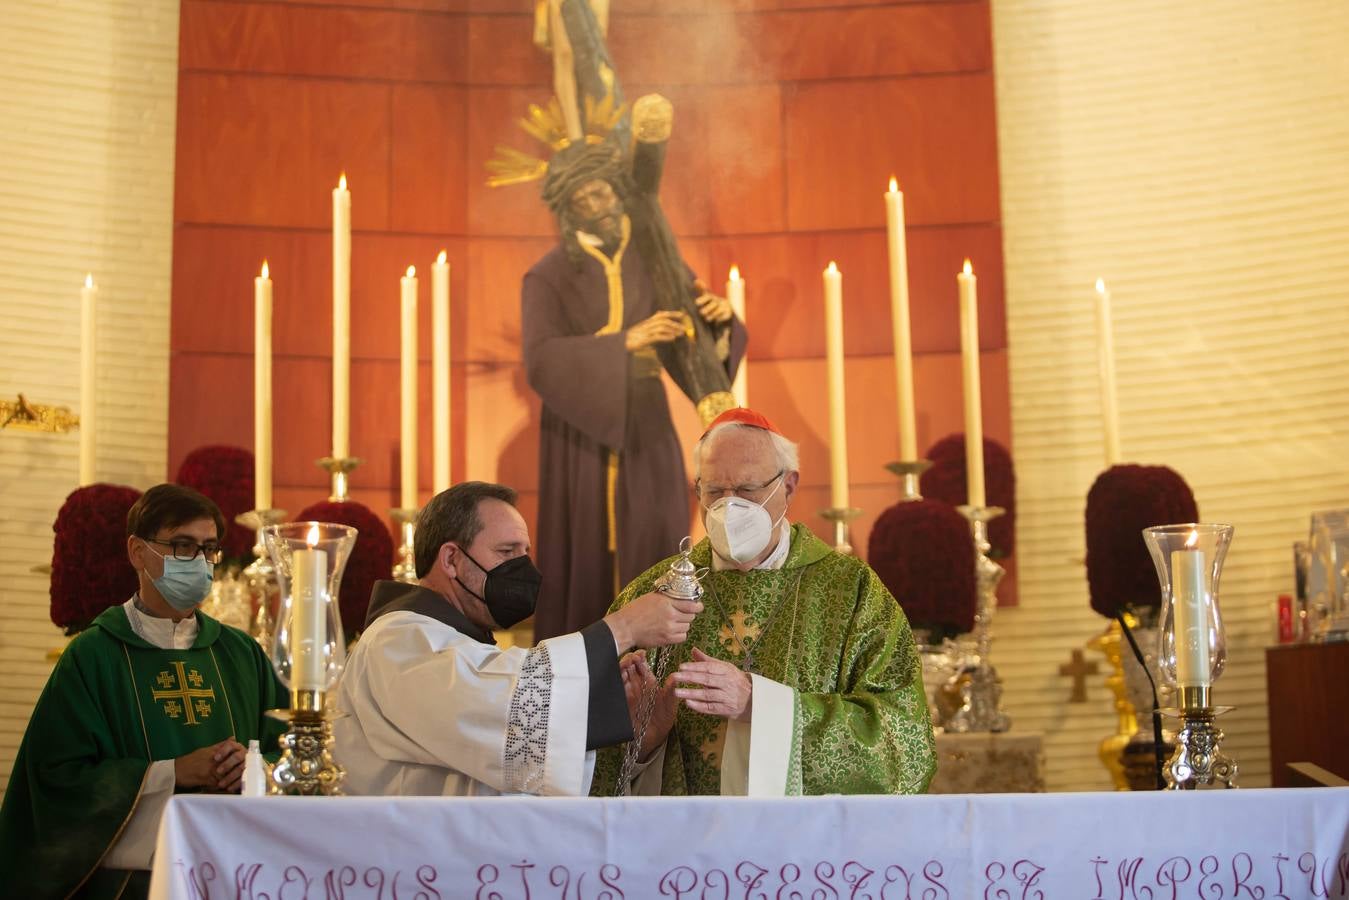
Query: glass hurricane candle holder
x=309, y=650
x=1192, y=646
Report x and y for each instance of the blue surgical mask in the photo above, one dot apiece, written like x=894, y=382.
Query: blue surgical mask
x=185, y=582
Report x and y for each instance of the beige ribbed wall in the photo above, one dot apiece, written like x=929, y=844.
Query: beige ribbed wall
x=1196, y=155
x=87, y=107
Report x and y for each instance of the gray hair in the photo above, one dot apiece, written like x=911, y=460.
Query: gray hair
x=786, y=452
x=452, y=515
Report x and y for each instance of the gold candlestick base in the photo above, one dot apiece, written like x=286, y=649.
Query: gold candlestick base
x=405, y=559
x=306, y=766
x=909, y=471
x=338, y=467
x=1199, y=759
x=841, y=516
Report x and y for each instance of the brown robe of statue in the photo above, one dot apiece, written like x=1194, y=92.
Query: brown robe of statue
x=598, y=397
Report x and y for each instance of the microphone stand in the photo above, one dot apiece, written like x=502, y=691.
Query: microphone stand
x=1157, y=745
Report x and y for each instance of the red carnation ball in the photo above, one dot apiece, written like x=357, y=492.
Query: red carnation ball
x=225, y=474
x=945, y=481
x=90, y=569
x=923, y=554
x=371, y=558
x=1123, y=501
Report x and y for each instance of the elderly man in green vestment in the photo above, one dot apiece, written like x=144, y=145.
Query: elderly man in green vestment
x=152, y=699
x=801, y=675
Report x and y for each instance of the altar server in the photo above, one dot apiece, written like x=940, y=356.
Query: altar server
x=435, y=707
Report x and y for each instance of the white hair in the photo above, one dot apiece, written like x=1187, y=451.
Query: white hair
x=786, y=452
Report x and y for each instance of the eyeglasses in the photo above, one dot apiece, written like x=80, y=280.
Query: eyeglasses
x=187, y=549
x=710, y=493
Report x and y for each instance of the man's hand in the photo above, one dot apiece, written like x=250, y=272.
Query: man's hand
x=652, y=620
x=723, y=689
x=661, y=328
x=637, y=680
x=219, y=767
x=715, y=310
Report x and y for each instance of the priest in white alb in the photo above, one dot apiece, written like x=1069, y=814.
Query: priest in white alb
x=433, y=706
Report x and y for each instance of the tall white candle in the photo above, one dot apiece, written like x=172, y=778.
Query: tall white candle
x=341, y=319
x=88, y=378
x=1105, y=354
x=440, y=374
x=969, y=357
x=308, y=616
x=899, y=320
x=1189, y=600
x=735, y=292
x=262, y=390
x=408, y=393
x=838, y=429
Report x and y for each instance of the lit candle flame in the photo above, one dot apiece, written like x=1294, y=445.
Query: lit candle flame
x=735, y=273
x=440, y=260
x=342, y=182
x=894, y=185
x=412, y=271
x=1192, y=539
x=265, y=270
x=969, y=270
x=312, y=538
x=832, y=267
x=1100, y=285
x=89, y=280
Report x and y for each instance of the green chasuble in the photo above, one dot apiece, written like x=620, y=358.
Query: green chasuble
x=825, y=627
x=114, y=704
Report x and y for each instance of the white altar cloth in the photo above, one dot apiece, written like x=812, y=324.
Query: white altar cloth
x=1216, y=845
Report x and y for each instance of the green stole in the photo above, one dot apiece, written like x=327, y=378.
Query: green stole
x=115, y=703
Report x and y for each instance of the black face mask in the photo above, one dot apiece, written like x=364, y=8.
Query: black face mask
x=511, y=590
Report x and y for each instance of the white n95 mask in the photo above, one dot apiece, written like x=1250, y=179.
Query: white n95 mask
x=740, y=529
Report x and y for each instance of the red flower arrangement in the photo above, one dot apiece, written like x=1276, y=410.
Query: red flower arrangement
x=945, y=481
x=1123, y=501
x=225, y=474
x=371, y=557
x=922, y=552
x=90, y=569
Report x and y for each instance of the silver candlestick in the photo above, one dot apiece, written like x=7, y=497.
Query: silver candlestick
x=405, y=559
x=981, y=689
x=909, y=471
x=260, y=575
x=841, y=516
x=1199, y=759
x=339, y=468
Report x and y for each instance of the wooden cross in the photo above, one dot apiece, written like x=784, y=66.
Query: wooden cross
x=1079, y=669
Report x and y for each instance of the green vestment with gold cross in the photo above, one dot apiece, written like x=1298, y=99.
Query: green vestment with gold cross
x=113, y=704
x=824, y=626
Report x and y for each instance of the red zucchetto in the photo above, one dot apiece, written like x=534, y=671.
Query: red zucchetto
x=742, y=416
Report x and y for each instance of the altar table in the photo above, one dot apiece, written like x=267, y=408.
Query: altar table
x=1271, y=844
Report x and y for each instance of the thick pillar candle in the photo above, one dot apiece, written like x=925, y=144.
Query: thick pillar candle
x=308, y=617
x=408, y=393
x=735, y=292
x=899, y=320
x=1105, y=355
x=88, y=378
x=262, y=390
x=969, y=357
x=341, y=319
x=440, y=374
x=1189, y=601
x=838, y=429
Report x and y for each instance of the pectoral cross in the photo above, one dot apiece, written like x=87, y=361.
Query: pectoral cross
x=180, y=699
x=1079, y=669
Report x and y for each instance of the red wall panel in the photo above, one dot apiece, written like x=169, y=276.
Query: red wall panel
x=790, y=117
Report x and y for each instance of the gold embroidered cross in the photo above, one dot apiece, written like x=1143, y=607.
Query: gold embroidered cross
x=194, y=677
x=183, y=693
